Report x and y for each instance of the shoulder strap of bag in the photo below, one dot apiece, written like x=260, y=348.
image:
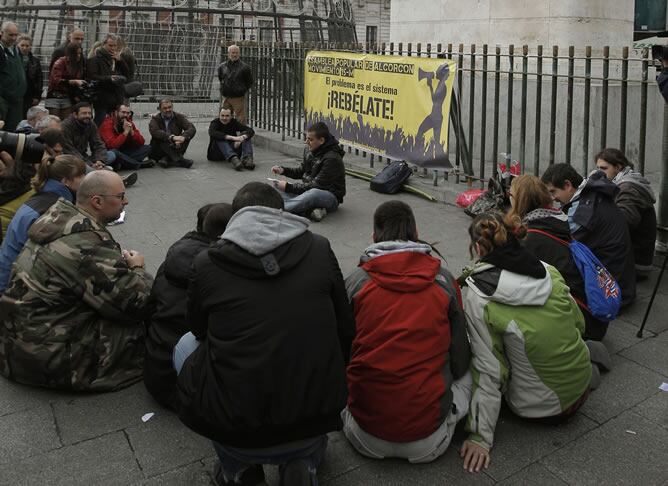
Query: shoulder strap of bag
x=545, y=233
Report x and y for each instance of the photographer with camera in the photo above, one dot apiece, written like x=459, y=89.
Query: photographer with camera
x=123, y=138
x=66, y=82
x=110, y=72
x=660, y=53
x=12, y=77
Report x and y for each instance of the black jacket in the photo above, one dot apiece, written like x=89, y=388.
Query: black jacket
x=662, y=80
x=34, y=78
x=604, y=230
x=275, y=329
x=100, y=68
x=559, y=256
x=180, y=125
x=168, y=321
x=235, y=78
x=218, y=131
x=322, y=169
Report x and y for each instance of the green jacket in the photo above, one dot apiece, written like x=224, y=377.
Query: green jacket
x=527, y=346
x=12, y=74
x=71, y=317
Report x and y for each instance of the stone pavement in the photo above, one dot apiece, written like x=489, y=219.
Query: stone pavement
x=621, y=436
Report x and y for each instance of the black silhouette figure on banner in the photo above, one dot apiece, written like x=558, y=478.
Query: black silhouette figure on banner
x=434, y=121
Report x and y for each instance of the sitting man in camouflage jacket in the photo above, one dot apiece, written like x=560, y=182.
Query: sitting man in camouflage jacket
x=72, y=315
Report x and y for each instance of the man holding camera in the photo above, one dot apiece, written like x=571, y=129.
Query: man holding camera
x=122, y=137
x=13, y=83
x=109, y=72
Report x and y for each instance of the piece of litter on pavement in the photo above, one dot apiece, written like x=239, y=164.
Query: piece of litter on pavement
x=120, y=220
x=147, y=416
x=664, y=387
x=631, y=432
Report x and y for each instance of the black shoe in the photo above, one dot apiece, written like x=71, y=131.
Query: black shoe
x=236, y=163
x=185, y=163
x=294, y=473
x=147, y=164
x=253, y=476
x=247, y=162
x=129, y=179
x=164, y=162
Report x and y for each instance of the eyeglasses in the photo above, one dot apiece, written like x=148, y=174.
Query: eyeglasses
x=120, y=195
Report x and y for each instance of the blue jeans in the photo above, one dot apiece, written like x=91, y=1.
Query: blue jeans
x=131, y=158
x=228, y=150
x=311, y=199
x=235, y=461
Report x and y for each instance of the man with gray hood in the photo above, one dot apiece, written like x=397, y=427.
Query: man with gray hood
x=262, y=372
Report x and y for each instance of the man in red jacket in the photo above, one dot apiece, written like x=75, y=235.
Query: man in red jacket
x=408, y=378
x=122, y=137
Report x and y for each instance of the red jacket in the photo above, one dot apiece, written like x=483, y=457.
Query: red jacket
x=410, y=342
x=114, y=139
x=59, y=78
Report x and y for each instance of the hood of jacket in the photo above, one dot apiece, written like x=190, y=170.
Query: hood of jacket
x=401, y=266
x=597, y=182
x=180, y=255
x=509, y=288
x=330, y=144
x=260, y=242
x=553, y=221
x=63, y=219
x=629, y=176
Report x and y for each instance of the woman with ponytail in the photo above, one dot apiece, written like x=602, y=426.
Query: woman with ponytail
x=55, y=178
x=525, y=331
x=547, y=237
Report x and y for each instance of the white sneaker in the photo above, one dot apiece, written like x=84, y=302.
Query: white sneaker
x=317, y=214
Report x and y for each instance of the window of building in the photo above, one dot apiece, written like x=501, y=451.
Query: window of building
x=228, y=29
x=650, y=15
x=266, y=30
x=371, y=34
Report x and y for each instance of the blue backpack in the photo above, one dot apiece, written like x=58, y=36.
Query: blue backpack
x=604, y=297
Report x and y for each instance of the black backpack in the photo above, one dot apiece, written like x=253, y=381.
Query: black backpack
x=391, y=178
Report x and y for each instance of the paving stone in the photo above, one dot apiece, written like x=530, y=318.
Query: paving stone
x=163, y=443
x=611, y=455
x=88, y=416
x=651, y=353
x=26, y=433
x=518, y=443
x=194, y=474
x=622, y=335
x=625, y=386
x=107, y=460
x=657, y=322
x=15, y=397
x=532, y=475
x=655, y=408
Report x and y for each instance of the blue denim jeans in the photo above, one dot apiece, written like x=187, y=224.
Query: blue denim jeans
x=228, y=150
x=131, y=158
x=311, y=199
x=233, y=461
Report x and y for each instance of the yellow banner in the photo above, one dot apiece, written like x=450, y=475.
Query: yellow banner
x=394, y=106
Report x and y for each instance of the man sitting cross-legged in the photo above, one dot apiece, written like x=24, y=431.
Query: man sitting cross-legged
x=322, y=173
x=73, y=311
x=263, y=372
x=120, y=134
x=171, y=133
x=229, y=139
x=168, y=300
x=408, y=379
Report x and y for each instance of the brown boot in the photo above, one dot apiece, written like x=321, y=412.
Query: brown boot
x=247, y=162
x=236, y=163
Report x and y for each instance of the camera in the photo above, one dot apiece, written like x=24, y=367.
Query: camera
x=660, y=52
x=22, y=148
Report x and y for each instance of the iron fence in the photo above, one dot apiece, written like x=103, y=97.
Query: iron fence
x=538, y=106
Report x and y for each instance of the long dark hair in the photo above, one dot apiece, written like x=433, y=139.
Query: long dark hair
x=614, y=157
x=75, y=65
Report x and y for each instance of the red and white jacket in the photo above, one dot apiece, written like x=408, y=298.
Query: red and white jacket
x=410, y=341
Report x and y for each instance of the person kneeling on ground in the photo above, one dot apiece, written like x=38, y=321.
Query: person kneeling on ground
x=56, y=177
x=171, y=133
x=271, y=333
x=408, y=378
x=168, y=301
x=120, y=134
x=636, y=201
x=74, y=308
x=229, y=140
x=525, y=331
x=322, y=173
x=548, y=237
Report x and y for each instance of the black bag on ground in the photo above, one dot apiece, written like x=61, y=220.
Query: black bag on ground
x=495, y=198
x=391, y=178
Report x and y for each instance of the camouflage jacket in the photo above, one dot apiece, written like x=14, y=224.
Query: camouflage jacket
x=71, y=316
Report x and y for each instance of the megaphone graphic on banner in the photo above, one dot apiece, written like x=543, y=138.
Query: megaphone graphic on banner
x=422, y=74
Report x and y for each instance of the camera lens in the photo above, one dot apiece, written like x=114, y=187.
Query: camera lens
x=22, y=148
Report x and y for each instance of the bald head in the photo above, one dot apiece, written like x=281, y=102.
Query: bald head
x=9, y=32
x=76, y=36
x=95, y=183
x=102, y=195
